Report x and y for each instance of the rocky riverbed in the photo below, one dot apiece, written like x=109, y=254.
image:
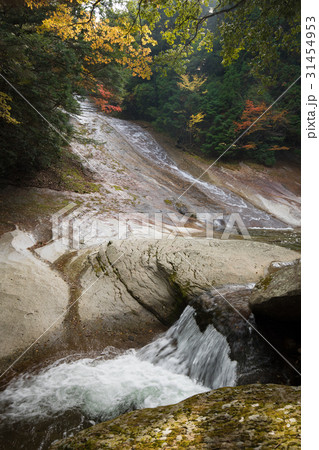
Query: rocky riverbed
x=146, y=282
x=172, y=307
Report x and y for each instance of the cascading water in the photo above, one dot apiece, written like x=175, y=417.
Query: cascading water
x=183, y=349
x=193, y=356
x=146, y=145
x=73, y=394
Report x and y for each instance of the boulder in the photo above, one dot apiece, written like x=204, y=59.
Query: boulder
x=252, y=416
x=124, y=292
x=227, y=309
x=278, y=295
x=146, y=279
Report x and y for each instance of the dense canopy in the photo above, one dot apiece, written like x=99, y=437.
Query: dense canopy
x=223, y=61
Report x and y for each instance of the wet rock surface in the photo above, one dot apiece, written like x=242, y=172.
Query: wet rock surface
x=276, y=304
x=253, y=416
x=162, y=276
x=253, y=344
x=275, y=190
x=119, y=286
x=124, y=170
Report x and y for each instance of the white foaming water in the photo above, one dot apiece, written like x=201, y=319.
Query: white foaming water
x=184, y=349
x=100, y=389
x=181, y=363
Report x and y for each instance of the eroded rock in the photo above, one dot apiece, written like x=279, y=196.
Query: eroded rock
x=124, y=292
x=32, y=297
x=227, y=309
x=157, y=278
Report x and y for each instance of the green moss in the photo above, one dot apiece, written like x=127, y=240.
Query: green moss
x=287, y=239
x=264, y=283
x=255, y=416
x=133, y=195
x=74, y=180
x=101, y=266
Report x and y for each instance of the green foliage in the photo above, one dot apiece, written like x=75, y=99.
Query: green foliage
x=170, y=102
x=264, y=30
x=48, y=71
x=45, y=72
x=261, y=28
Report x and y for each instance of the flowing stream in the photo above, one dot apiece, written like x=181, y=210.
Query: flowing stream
x=153, y=166
x=39, y=407
x=146, y=145
x=70, y=395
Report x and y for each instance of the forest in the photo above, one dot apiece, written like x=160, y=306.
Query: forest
x=202, y=71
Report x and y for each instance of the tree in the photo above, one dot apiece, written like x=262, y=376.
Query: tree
x=109, y=41
x=47, y=73
x=50, y=51
x=5, y=109
x=265, y=136
x=221, y=102
x=103, y=101
x=262, y=28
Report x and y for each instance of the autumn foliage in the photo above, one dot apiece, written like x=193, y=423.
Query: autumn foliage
x=257, y=113
x=108, y=42
x=258, y=122
x=103, y=101
x=250, y=114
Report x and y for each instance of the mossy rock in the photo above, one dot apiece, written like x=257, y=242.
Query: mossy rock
x=278, y=295
x=247, y=417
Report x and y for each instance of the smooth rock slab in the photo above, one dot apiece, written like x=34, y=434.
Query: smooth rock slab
x=144, y=285
x=161, y=276
x=253, y=416
x=32, y=296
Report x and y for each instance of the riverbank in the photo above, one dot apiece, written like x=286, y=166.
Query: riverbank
x=276, y=190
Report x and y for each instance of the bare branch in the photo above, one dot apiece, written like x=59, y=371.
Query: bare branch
x=91, y=13
x=213, y=14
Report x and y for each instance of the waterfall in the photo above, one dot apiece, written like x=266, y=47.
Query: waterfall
x=182, y=362
x=184, y=349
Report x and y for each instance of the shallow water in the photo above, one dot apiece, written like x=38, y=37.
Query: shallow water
x=146, y=145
